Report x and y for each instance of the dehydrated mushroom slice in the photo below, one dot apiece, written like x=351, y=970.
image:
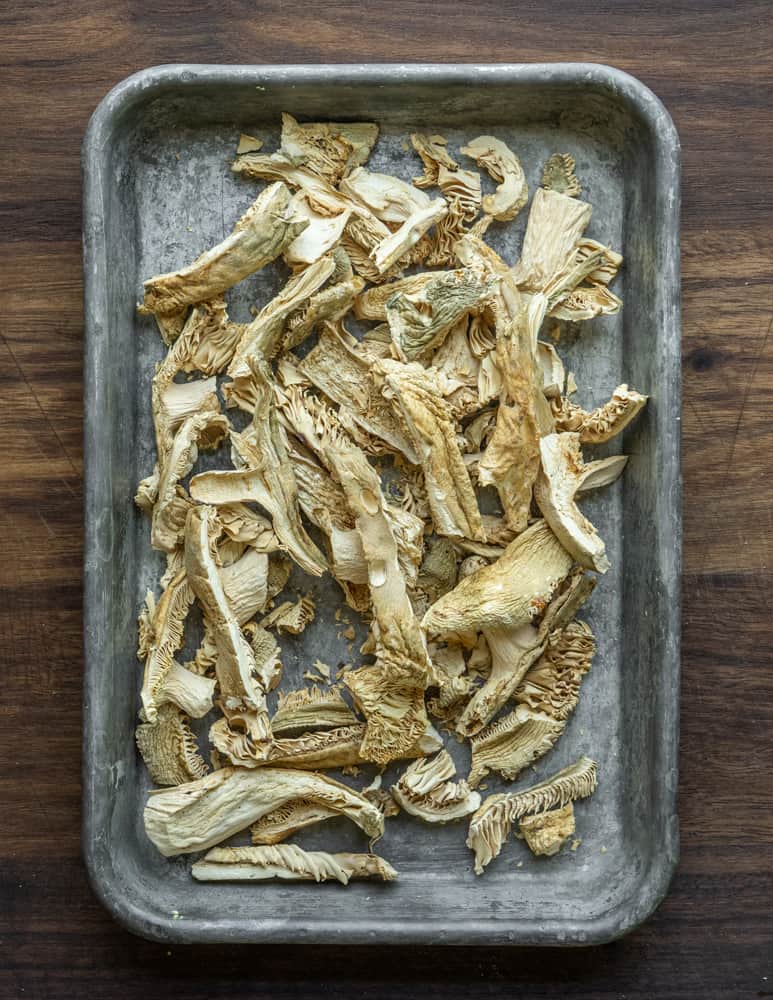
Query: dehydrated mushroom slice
x=426, y=417
x=585, y=302
x=547, y=832
x=391, y=249
x=322, y=233
x=169, y=749
x=244, y=701
x=603, y=423
x=562, y=473
x=546, y=698
x=504, y=166
x=390, y=199
x=287, y=861
x=339, y=371
x=491, y=824
x=263, y=337
x=424, y=790
x=291, y=616
x=287, y=819
x=267, y=478
x=558, y=175
x=190, y=691
x=510, y=744
x=419, y=320
x=202, y=430
x=556, y=224
x=162, y=626
x=330, y=149
x=310, y=709
x=434, y=155
x=267, y=227
x=245, y=583
x=201, y=814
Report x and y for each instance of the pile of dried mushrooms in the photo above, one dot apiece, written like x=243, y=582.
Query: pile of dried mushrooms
x=472, y=615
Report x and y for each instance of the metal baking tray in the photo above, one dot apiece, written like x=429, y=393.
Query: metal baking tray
x=158, y=190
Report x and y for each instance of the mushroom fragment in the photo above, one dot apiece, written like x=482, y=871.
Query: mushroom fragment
x=330, y=149
x=427, y=421
x=389, y=251
x=547, y=832
x=562, y=475
x=169, y=749
x=201, y=814
x=287, y=861
x=420, y=320
x=262, y=233
x=546, y=698
x=558, y=175
x=504, y=166
x=388, y=198
x=291, y=617
x=244, y=702
x=434, y=155
x=310, y=709
x=491, y=824
x=424, y=790
x=603, y=423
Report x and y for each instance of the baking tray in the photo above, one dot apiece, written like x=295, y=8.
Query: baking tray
x=158, y=191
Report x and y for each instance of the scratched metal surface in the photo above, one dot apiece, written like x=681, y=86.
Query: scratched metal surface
x=158, y=192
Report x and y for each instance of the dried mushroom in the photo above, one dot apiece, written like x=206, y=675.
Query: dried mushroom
x=562, y=475
x=546, y=697
x=603, y=423
x=262, y=233
x=427, y=421
x=287, y=861
x=505, y=167
x=547, y=832
x=491, y=824
x=310, y=709
x=201, y=814
x=169, y=749
x=424, y=790
x=396, y=375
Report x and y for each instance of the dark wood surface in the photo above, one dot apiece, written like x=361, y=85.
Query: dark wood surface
x=712, y=64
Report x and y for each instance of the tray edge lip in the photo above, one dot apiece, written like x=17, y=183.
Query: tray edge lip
x=121, y=97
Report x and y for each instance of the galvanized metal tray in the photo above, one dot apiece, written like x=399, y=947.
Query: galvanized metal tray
x=157, y=191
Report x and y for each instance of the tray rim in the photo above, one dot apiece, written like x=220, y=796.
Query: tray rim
x=653, y=885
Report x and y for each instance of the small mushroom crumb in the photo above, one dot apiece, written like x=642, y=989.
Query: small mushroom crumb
x=362, y=462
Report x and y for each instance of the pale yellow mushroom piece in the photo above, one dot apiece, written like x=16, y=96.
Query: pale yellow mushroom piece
x=603, y=423
x=267, y=477
x=169, y=749
x=390, y=250
x=291, y=617
x=371, y=304
x=203, y=813
x=335, y=367
x=426, y=417
x=189, y=691
x=162, y=628
x=390, y=199
x=558, y=175
x=545, y=699
x=425, y=790
x=491, y=824
x=562, y=475
x=243, y=696
x=261, y=234
x=585, y=302
x=547, y=832
x=290, y=862
x=434, y=155
x=320, y=236
x=245, y=582
x=310, y=709
x=504, y=166
x=330, y=149
x=502, y=600
x=462, y=192
x=420, y=320
x=207, y=430
x=555, y=227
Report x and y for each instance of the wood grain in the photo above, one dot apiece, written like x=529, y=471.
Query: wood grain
x=712, y=65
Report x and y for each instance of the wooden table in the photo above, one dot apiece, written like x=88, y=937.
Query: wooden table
x=711, y=65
